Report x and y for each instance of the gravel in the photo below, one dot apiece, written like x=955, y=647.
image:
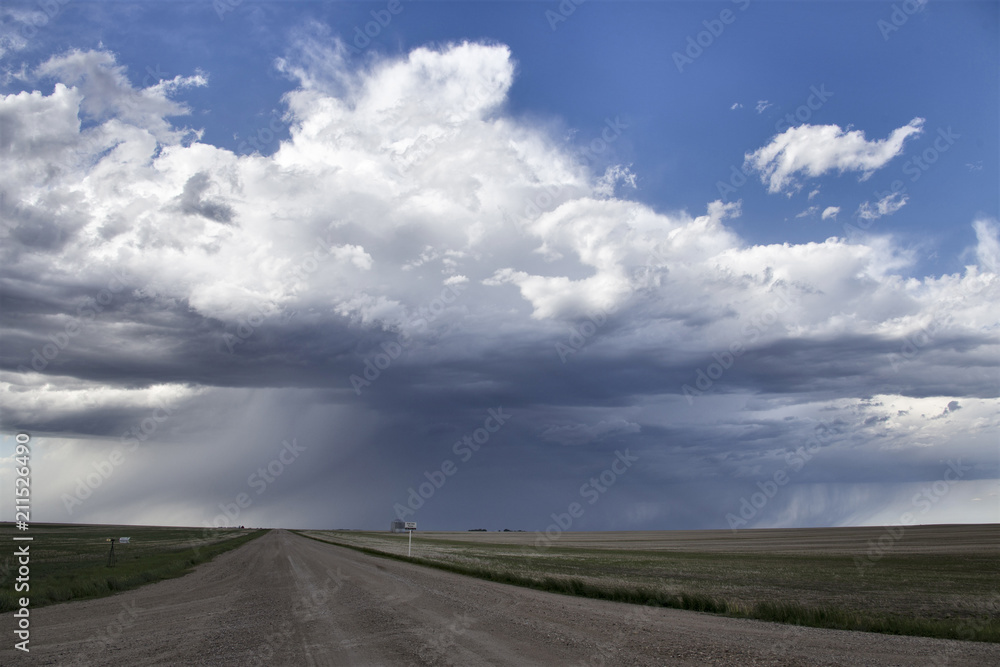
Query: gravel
x=286, y=600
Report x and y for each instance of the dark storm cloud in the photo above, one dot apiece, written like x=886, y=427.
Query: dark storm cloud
x=137, y=341
x=209, y=308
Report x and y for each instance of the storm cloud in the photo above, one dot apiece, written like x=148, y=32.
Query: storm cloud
x=414, y=256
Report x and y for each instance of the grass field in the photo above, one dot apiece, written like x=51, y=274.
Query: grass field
x=69, y=562
x=936, y=581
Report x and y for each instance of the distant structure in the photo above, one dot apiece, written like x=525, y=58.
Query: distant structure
x=397, y=526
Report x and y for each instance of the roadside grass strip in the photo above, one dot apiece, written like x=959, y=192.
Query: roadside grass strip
x=70, y=562
x=983, y=627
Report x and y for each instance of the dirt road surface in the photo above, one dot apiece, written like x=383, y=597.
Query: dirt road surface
x=287, y=600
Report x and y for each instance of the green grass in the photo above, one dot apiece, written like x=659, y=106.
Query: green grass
x=69, y=562
x=951, y=596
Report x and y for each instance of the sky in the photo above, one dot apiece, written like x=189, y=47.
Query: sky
x=530, y=265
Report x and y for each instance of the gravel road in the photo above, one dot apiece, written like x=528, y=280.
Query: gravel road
x=287, y=600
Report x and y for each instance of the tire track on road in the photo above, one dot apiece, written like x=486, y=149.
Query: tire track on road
x=283, y=599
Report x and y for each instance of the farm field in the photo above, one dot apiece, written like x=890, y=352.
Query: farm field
x=939, y=581
x=70, y=561
x=285, y=599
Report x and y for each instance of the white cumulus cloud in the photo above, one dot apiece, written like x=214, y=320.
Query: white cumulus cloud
x=988, y=247
x=406, y=199
x=887, y=205
x=813, y=150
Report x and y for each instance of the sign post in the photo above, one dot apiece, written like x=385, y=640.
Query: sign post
x=112, y=558
x=410, y=526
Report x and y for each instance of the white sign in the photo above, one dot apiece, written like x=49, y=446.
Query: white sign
x=410, y=526
x=123, y=540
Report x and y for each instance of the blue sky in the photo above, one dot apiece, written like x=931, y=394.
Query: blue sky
x=616, y=59
x=678, y=214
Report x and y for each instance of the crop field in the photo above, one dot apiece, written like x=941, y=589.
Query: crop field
x=70, y=562
x=932, y=583
x=936, y=581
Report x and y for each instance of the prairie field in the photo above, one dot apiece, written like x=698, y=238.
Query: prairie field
x=940, y=581
x=70, y=561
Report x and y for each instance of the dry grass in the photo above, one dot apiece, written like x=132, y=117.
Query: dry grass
x=934, y=580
